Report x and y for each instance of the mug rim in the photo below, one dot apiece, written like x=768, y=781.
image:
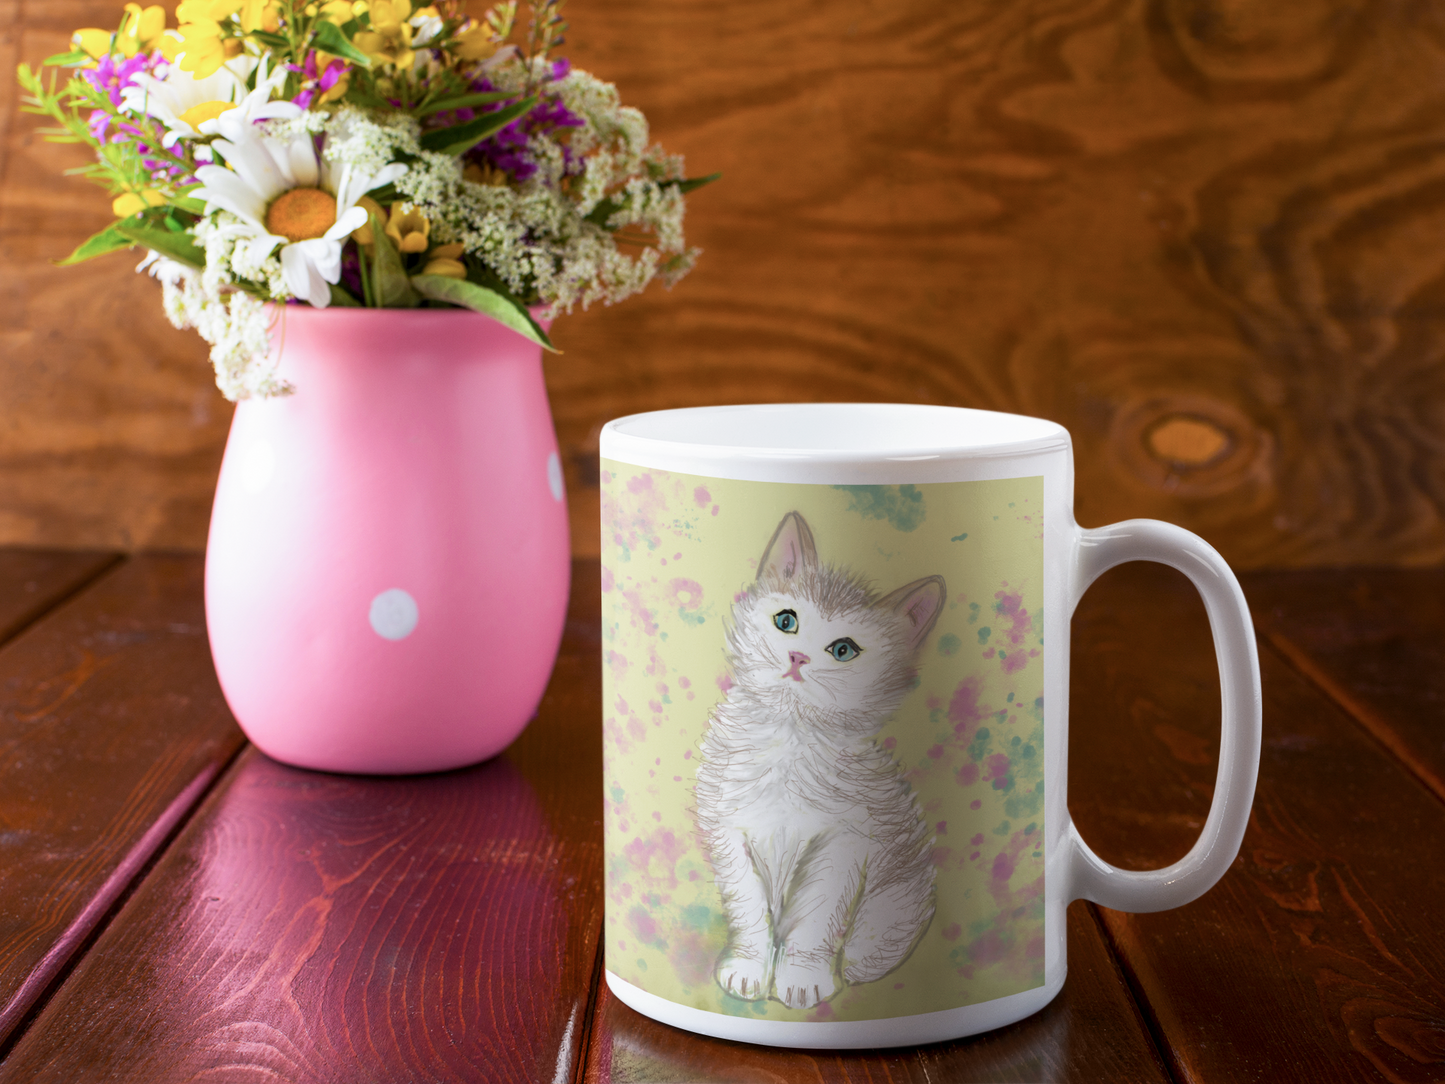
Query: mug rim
x=680, y=439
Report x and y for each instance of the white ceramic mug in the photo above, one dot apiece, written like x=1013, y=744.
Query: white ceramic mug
x=835, y=735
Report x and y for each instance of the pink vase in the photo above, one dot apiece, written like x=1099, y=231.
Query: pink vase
x=388, y=564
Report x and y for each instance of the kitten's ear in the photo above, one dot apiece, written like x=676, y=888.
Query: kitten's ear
x=918, y=604
x=790, y=552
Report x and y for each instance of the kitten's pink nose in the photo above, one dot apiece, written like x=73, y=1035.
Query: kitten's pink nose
x=798, y=659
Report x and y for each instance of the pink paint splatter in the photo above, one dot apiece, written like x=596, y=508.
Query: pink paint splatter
x=641, y=615
x=975, y=804
x=725, y=682
x=976, y=840
x=662, y=847
x=691, y=958
x=618, y=664
x=964, y=710
x=641, y=484
x=686, y=594
x=642, y=924
x=968, y=775
x=607, y=580
x=890, y=743
x=941, y=828
x=702, y=496
x=714, y=509
x=936, y=753
x=996, y=766
x=951, y=931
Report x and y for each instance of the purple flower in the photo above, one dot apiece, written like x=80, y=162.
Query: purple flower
x=112, y=77
x=506, y=150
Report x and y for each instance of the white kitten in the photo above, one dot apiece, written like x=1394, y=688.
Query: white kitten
x=817, y=841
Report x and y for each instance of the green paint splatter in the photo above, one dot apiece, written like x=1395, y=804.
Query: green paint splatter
x=972, y=612
x=902, y=506
x=959, y=537
x=1003, y=829
x=690, y=618
x=948, y=643
x=641, y=964
x=618, y=794
x=984, y=633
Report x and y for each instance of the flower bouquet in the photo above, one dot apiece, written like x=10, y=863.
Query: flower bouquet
x=368, y=154
x=405, y=197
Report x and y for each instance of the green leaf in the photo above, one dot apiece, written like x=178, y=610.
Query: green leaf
x=175, y=246
x=342, y=299
x=195, y=206
x=270, y=40
x=75, y=56
x=392, y=289
x=463, y=101
x=500, y=308
x=330, y=39
x=109, y=239
x=461, y=138
x=693, y=183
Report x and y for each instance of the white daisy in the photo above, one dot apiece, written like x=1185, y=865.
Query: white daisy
x=281, y=194
x=182, y=102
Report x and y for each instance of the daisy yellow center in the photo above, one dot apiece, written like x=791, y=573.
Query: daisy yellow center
x=197, y=115
x=301, y=214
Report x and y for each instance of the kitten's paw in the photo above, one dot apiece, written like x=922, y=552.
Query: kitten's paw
x=801, y=984
x=742, y=977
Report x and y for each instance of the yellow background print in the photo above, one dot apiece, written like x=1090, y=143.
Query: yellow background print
x=676, y=549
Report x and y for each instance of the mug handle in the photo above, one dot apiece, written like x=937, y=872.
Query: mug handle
x=1090, y=877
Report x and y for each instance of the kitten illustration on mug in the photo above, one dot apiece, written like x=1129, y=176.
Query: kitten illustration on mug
x=818, y=845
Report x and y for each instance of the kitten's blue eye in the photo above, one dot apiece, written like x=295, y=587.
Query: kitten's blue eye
x=786, y=620
x=844, y=650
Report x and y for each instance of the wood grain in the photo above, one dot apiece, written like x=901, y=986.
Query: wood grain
x=1090, y=1032
x=1141, y=218
x=1319, y=956
x=111, y=728
x=311, y=927
x=1373, y=640
x=34, y=581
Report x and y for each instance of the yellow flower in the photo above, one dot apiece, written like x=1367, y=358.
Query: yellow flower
x=446, y=260
x=363, y=234
x=389, y=14
x=94, y=43
x=205, y=48
x=452, y=269
x=474, y=43
x=145, y=25
x=335, y=11
x=408, y=229
x=389, y=39
x=194, y=11
x=131, y=203
x=260, y=15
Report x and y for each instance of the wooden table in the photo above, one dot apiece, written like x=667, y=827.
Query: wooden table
x=175, y=906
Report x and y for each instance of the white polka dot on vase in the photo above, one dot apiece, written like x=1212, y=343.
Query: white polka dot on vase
x=394, y=614
x=257, y=466
x=554, y=476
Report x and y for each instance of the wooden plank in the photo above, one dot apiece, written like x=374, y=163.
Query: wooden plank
x=33, y=581
x=312, y=927
x=1320, y=955
x=1372, y=639
x=1091, y=1032
x=111, y=727
x=1197, y=234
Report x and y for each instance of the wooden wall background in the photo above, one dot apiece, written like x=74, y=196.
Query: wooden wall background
x=1206, y=235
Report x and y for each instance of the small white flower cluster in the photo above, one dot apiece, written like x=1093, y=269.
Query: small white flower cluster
x=237, y=325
